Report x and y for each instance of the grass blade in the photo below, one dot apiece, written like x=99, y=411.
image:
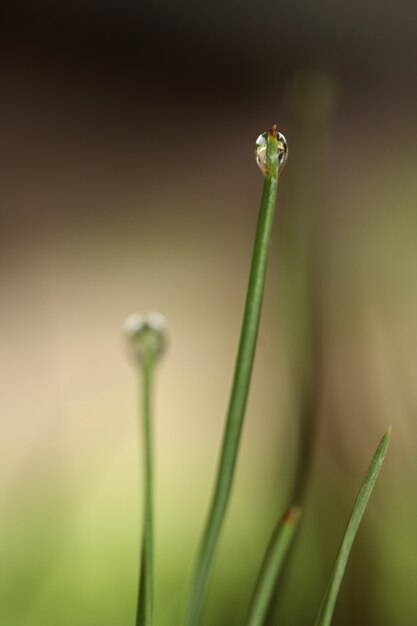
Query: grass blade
x=271, y=566
x=325, y=615
x=242, y=375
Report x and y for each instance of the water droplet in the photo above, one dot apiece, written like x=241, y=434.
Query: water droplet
x=260, y=151
x=146, y=335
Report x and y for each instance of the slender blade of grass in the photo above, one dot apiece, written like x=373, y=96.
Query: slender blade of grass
x=271, y=566
x=325, y=614
x=240, y=387
x=141, y=610
x=144, y=613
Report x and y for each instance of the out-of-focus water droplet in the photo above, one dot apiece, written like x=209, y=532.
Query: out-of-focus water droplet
x=260, y=151
x=146, y=336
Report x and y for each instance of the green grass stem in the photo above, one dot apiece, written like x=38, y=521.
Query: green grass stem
x=325, y=614
x=144, y=613
x=240, y=387
x=272, y=565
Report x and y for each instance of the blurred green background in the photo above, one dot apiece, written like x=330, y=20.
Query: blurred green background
x=129, y=183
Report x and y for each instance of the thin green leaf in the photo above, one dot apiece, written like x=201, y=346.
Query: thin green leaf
x=271, y=566
x=325, y=615
x=242, y=376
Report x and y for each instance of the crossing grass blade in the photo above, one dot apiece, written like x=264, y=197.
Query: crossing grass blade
x=325, y=614
x=271, y=566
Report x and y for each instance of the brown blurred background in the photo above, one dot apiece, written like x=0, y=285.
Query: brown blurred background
x=129, y=183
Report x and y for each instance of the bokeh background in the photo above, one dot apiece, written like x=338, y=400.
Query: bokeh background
x=129, y=183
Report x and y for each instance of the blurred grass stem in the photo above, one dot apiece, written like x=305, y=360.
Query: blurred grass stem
x=144, y=613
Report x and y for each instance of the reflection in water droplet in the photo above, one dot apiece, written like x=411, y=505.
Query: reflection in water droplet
x=260, y=151
x=146, y=337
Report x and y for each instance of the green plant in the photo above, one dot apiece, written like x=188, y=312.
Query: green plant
x=271, y=156
x=146, y=343
x=329, y=600
x=272, y=565
x=146, y=336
